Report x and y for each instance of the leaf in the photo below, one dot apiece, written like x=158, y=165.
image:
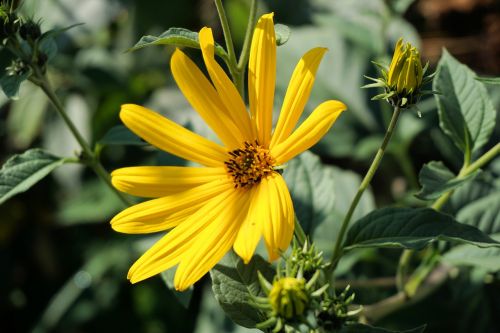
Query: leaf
x=361, y=328
x=468, y=255
x=177, y=37
x=282, y=33
x=321, y=196
x=234, y=284
x=121, y=135
x=10, y=83
x=489, y=80
x=23, y=171
x=436, y=179
x=411, y=229
x=483, y=213
x=466, y=113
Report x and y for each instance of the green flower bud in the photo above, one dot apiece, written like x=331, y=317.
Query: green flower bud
x=30, y=31
x=405, y=72
x=288, y=297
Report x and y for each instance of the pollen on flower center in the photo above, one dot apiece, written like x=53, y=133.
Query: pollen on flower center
x=248, y=165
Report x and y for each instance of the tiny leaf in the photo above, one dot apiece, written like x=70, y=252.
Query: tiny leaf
x=282, y=33
x=437, y=179
x=234, y=284
x=411, y=229
x=23, y=171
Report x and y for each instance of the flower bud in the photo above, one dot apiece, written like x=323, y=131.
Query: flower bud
x=288, y=297
x=405, y=72
x=30, y=31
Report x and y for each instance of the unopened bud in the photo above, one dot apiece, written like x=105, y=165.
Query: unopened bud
x=30, y=31
x=405, y=72
x=288, y=297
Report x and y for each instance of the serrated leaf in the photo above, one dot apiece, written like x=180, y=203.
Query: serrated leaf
x=10, y=83
x=362, y=328
x=121, y=135
x=321, y=196
x=489, y=80
x=177, y=37
x=234, y=284
x=483, y=213
x=412, y=229
x=282, y=33
x=466, y=113
x=21, y=172
x=436, y=179
x=469, y=255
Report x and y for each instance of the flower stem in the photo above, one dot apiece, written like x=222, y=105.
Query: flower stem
x=88, y=155
x=299, y=233
x=245, y=51
x=364, y=185
x=232, y=62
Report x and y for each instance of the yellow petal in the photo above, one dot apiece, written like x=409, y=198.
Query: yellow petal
x=213, y=242
x=171, y=137
x=275, y=212
x=204, y=99
x=167, y=212
x=262, y=77
x=160, y=181
x=309, y=132
x=169, y=250
x=229, y=96
x=251, y=228
x=297, y=94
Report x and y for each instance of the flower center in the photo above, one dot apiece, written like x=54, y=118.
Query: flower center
x=248, y=165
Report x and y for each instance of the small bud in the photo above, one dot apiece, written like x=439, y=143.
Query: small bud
x=9, y=24
x=288, y=297
x=405, y=72
x=30, y=31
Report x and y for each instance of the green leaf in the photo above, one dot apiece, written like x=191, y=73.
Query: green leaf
x=469, y=255
x=177, y=37
x=321, y=196
x=121, y=135
x=489, y=80
x=10, y=83
x=483, y=213
x=411, y=229
x=282, y=33
x=466, y=113
x=362, y=328
x=21, y=172
x=436, y=179
x=234, y=284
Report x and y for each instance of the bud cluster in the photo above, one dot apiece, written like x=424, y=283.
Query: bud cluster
x=404, y=78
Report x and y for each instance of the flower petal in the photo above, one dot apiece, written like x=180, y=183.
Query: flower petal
x=213, y=242
x=169, y=250
x=171, y=137
x=297, y=94
x=262, y=77
x=204, y=99
x=160, y=181
x=309, y=132
x=229, y=95
x=167, y=212
x=251, y=228
x=276, y=214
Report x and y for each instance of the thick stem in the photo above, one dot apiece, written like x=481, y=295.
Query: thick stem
x=232, y=62
x=245, y=51
x=364, y=185
x=88, y=154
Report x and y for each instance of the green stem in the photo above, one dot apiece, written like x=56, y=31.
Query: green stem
x=231, y=61
x=402, y=271
x=88, y=155
x=245, y=51
x=364, y=185
x=299, y=233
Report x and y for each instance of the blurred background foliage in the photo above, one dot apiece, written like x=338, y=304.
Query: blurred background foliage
x=64, y=269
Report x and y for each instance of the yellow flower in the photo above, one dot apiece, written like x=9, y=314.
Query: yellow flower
x=405, y=72
x=288, y=297
x=236, y=196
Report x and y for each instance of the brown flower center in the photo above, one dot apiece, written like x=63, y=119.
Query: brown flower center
x=248, y=165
